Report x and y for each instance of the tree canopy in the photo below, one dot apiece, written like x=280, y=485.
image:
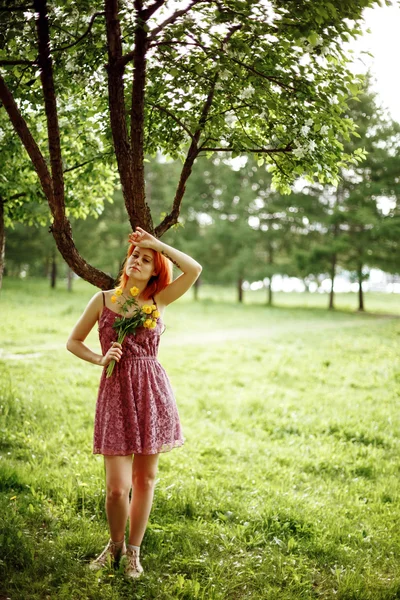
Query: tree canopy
x=264, y=77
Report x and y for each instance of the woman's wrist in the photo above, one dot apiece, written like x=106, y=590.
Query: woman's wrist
x=158, y=245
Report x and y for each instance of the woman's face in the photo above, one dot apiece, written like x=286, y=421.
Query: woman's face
x=140, y=264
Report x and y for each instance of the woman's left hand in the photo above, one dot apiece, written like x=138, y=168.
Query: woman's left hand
x=141, y=238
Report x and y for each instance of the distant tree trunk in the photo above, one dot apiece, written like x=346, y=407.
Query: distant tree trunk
x=333, y=273
x=2, y=241
x=360, y=290
x=69, y=278
x=270, y=262
x=240, y=289
x=196, y=289
x=46, y=267
x=269, y=291
x=53, y=272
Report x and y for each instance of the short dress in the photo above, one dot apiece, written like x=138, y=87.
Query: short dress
x=136, y=411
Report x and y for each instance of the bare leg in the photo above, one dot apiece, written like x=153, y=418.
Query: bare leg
x=118, y=483
x=144, y=471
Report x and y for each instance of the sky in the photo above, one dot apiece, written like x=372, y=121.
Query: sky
x=384, y=43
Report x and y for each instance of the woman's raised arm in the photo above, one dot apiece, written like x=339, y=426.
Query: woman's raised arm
x=191, y=268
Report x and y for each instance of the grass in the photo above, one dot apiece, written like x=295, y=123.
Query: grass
x=287, y=486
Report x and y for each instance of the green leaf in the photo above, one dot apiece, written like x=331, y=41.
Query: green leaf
x=313, y=38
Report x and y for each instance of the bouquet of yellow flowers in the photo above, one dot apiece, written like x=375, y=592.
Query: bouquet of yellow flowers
x=146, y=316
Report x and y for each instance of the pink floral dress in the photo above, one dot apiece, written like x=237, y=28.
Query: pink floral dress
x=136, y=412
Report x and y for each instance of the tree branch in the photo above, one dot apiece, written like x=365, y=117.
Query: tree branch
x=252, y=150
x=138, y=210
x=17, y=62
x=177, y=43
x=96, y=14
x=178, y=121
x=16, y=8
x=47, y=78
x=61, y=227
x=87, y=162
x=172, y=19
x=116, y=98
x=148, y=12
x=26, y=137
x=192, y=154
x=268, y=77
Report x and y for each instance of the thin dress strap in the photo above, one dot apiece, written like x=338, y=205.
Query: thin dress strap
x=104, y=301
x=165, y=327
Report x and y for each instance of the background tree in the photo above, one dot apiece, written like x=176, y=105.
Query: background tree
x=214, y=76
x=368, y=188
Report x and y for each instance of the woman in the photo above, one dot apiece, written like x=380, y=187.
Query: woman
x=136, y=413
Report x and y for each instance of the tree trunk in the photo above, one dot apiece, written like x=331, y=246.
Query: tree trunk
x=2, y=241
x=69, y=279
x=53, y=274
x=335, y=231
x=196, y=287
x=360, y=290
x=333, y=273
x=240, y=289
x=269, y=290
x=46, y=267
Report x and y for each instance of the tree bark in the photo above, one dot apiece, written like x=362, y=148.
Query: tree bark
x=137, y=205
x=116, y=100
x=360, y=289
x=2, y=241
x=240, y=289
x=50, y=104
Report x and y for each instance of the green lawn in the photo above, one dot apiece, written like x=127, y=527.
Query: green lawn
x=287, y=486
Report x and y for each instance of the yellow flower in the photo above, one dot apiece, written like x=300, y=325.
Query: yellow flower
x=147, y=309
x=134, y=291
x=113, y=299
x=155, y=314
x=153, y=325
x=147, y=323
x=153, y=307
x=118, y=291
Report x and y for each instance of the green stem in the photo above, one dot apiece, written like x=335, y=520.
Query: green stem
x=111, y=365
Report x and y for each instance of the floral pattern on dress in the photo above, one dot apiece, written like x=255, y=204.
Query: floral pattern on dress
x=136, y=411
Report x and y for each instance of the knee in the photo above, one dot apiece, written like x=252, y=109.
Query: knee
x=116, y=493
x=145, y=481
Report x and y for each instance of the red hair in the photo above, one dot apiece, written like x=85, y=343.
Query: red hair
x=156, y=283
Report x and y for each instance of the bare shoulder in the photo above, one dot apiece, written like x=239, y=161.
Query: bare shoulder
x=95, y=304
x=87, y=320
x=107, y=297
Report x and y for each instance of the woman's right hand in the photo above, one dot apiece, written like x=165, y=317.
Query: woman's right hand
x=114, y=353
